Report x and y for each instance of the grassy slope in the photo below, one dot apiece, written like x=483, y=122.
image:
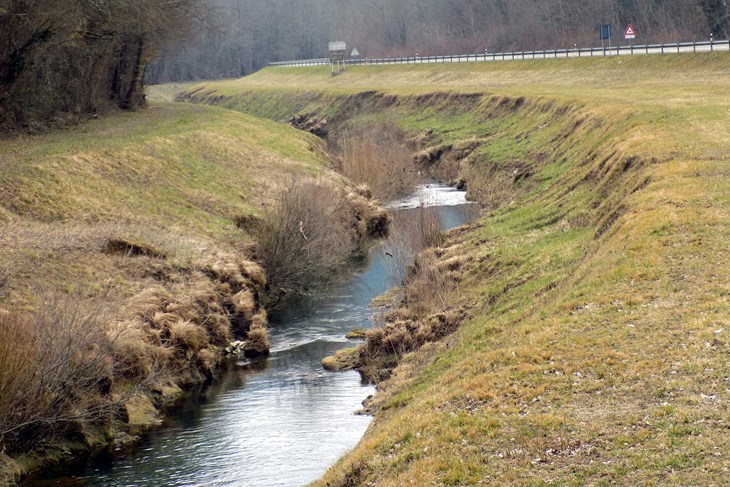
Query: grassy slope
x=154, y=165
x=173, y=176
x=596, y=348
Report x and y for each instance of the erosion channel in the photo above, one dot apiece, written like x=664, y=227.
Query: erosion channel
x=281, y=422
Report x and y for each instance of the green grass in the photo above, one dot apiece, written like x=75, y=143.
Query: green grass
x=172, y=176
x=595, y=348
x=627, y=81
x=172, y=164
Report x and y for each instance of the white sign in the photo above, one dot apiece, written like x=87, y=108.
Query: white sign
x=354, y=52
x=630, y=32
x=338, y=46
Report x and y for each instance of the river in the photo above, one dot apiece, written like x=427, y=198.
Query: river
x=280, y=422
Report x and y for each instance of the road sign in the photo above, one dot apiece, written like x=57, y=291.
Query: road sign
x=605, y=32
x=338, y=51
x=630, y=32
x=338, y=54
x=355, y=52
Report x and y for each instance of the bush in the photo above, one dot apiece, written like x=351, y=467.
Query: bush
x=55, y=370
x=375, y=155
x=411, y=234
x=306, y=237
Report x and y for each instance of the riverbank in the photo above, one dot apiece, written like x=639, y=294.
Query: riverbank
x=129, y=265
x=588, y=342
x=281, y=421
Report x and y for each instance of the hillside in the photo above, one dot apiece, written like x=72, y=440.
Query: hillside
x=173, y=177
x=578, y=333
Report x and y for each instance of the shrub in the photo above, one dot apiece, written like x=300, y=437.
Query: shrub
x=376, y=156
x=305, y=238
x=411, y=234
x=51, y=361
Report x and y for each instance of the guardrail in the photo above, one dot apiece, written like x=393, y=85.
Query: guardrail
x=678, y=47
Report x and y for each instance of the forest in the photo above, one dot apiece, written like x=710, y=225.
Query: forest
x=252, y=33
x=65, y=60
x=61, y=60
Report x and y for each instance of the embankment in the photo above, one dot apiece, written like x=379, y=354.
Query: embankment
x=578, y=333
x=130, y=263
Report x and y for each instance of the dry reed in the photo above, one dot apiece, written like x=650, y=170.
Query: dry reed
x=376, y=155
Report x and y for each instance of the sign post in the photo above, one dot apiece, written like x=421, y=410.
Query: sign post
x=630, y=35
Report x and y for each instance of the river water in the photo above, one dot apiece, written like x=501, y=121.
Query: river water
x=280, y=422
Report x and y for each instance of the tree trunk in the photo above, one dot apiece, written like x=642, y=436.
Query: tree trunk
x=134, y=98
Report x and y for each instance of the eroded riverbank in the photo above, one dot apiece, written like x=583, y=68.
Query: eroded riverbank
x=280, y=422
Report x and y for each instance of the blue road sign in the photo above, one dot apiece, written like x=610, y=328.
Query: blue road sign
x=606, y=32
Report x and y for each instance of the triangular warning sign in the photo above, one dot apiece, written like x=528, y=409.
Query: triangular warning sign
x=354, y=52
x=630, y=32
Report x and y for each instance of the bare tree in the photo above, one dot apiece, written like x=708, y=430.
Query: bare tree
x=286, y=29
x=70, y=58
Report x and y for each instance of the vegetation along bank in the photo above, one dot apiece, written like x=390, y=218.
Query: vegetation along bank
x=578, y=332
x=137, y=249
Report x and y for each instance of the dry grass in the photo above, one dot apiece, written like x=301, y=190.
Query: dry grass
x=377, y=156
x=139, y=350
x=424, y=310
x=244, y=303
x=257, y=342
x=183, y=327
x=188, y=335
